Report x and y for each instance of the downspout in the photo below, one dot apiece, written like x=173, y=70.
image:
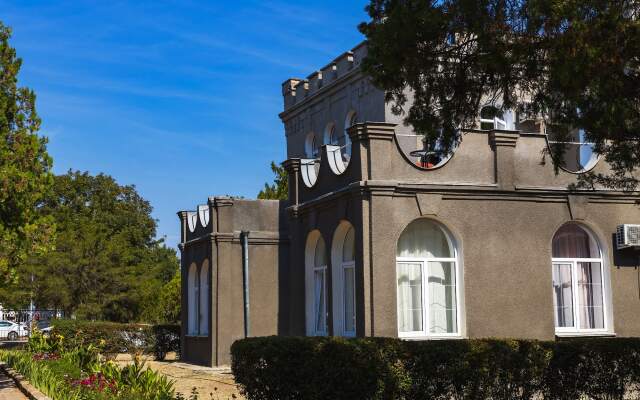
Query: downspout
x=244, y=239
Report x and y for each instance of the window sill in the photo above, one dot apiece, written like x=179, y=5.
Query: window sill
x=584, y=334
x=196, y=336
x=412, y=338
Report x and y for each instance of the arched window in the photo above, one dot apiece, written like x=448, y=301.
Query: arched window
x=579, y=290
x=427, y=275
x=311, y=147
x=492, y=117
x=204, y=300
x=344, y=280
x=192, y=300
x=316, y=285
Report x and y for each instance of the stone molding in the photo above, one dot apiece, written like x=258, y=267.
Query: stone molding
x=499, y=137
x=372, y=131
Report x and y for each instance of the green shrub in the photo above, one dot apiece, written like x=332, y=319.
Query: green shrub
x=335, y=368
x=166, y=338
x=114, y=338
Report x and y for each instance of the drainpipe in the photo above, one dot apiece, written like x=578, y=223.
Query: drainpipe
x=244, y=238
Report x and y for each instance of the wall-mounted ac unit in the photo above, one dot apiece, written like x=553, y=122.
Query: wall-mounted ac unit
x=628, y=235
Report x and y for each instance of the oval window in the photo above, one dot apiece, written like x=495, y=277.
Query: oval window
x=571, y=149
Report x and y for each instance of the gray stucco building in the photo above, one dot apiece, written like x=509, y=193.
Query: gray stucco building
x=384, y=236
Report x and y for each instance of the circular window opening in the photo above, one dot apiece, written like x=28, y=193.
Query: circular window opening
x=571, y=149
x=311, y=148
x=422, y=153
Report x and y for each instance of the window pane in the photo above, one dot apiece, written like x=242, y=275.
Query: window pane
x=590, y=296
x=320, y=300
x=349, y=300
x=571, y=241
x=423, y=239
x=349, y=246
x=192, y=299
x=320, y=257
x=442, y=297
x=410, y=297
x=563, y=295
x=204, y=300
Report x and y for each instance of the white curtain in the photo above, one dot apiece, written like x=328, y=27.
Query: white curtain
x=320, y=300
x=590, y=295
x=571, y=241
x=349, y=246
x=204, y=300
x=442, y=297
x=410, y=297
x=349, y=299
x=563, y=295
x=423, y=239
x=192, y=300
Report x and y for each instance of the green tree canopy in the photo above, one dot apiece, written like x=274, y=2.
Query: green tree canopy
x=279, y=189
x=107, y=263
x=575, y=63
x=25, y=168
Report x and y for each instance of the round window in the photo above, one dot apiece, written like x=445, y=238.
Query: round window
x=311, y=148
x=420, y=152
x=571, y=149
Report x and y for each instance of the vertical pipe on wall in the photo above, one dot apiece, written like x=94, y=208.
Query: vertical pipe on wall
x=244, y=238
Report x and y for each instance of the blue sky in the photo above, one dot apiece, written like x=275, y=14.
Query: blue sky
x=180, y=98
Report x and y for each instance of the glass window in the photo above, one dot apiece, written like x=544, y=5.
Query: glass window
x=192, y=300
x=492, y=117
x=320, y=287
x=204, y=300
x=427, y=271
x=578, y=281
x=345, y=140
x=571, y=149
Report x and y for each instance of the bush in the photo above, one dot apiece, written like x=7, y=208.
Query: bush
x=369, y=368
x=117, y=338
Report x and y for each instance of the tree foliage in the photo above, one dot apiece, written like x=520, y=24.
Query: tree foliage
x=279, y=189
x=574, y=63
x=107, y=263
x=25, y=168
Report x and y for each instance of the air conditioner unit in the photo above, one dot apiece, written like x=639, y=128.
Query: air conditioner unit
x=628, y=235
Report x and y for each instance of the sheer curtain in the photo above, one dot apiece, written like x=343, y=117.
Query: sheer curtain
x=410, y=297
x=204, y=300
x=424, y=239
x=563, y=295
x=192, y=299
x=442, y=297
x=320, y=286
x=590, y=296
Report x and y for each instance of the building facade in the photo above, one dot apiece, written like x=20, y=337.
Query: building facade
x=382, y=235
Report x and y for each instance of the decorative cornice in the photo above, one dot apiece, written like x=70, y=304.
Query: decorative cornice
x=499, y=137
x=182, y=215
x=291, y=165
x=372, y=131
x=222, y=201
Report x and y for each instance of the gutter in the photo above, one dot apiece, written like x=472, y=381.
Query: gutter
x=244, y=240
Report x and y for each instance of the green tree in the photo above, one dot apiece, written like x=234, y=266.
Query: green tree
x=279, y=190
x=575, y=63
x=107, y=263
x=25, y=168
x=168, y=309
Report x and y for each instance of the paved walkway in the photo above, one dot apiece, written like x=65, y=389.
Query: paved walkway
x=8, y=389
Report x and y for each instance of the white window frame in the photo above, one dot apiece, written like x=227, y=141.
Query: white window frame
x=348, y=265
x=423, y=261
x=576, y=330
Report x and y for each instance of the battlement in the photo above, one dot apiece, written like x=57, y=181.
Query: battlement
x=296, y=90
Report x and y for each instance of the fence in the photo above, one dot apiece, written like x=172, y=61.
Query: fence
x=18, y=324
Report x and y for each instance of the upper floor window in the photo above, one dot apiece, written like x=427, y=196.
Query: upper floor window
x=198, y=300
x=427, y=275
x=345, y=141
x=311, y=147
x=571, y=149
x=420, y=152
x=579, y=289
x=491, y=117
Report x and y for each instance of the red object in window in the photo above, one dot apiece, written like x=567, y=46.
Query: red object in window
x=424, y=164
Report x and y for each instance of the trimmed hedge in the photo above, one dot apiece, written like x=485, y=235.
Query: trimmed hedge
x=288, y=368
x=117, y=338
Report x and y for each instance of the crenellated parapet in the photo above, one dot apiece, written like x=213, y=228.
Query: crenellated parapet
x=296, y=90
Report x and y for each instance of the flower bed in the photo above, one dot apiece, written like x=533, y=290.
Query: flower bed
x=83, y=373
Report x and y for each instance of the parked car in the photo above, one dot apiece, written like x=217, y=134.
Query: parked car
x=12, y=330
x=44, y=326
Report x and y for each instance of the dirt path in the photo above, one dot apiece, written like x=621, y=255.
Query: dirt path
x=210, y=383
x=8, y=389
